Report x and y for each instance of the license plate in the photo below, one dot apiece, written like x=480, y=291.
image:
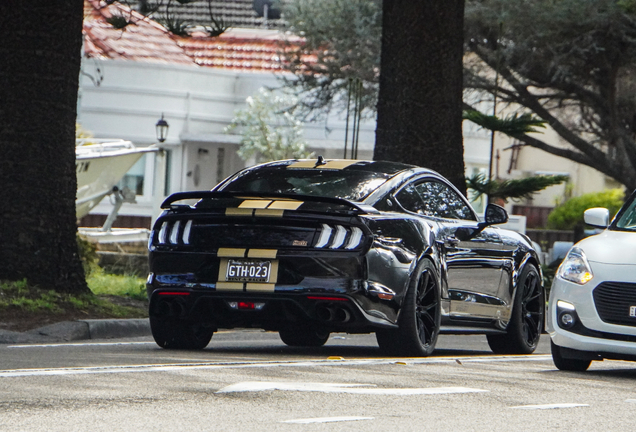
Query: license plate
x=248, y=271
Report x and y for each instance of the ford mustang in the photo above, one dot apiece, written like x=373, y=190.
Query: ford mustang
x=310, y=247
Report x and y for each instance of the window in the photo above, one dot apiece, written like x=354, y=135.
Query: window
x=433, y=198
x=410, y=199
x=134, y=178
x=347, y=184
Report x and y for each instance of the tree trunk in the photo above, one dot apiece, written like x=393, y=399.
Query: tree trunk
x=39, y=72
x=420, y=100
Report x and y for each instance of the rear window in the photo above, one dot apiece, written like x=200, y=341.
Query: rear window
x=352, y=185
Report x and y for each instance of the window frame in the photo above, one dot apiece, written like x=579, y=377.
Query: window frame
x=428, y=178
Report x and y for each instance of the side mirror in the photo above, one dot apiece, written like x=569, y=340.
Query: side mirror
x=597, y=217
x=496, y=215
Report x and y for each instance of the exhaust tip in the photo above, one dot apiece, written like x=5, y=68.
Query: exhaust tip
x=342, y=315
x=324, y=313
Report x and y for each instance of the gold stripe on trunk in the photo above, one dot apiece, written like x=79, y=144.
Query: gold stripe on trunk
x=231, y=252
x=238, y=212
x=255, y=204
x=268, y=213
x=262, y=287
x=229, y=286
x=262, y=253
x=285, y=205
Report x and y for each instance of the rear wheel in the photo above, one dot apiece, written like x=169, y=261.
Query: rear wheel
x=526, y=321
x=174, y=333
x=567, y=364
x=303, y=336
x=420, y=317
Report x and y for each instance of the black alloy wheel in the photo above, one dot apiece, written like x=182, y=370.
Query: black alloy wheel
x=420, y=317
x=565, y=363
x=526, y=322
x=174, y=333
x=303, y=336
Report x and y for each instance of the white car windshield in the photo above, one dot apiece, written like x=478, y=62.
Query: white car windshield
x=627, y=218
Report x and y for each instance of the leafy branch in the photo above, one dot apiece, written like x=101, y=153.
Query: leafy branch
x=511, y=189
x=513, y=125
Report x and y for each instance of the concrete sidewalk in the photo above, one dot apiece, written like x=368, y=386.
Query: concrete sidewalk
x=79, y=330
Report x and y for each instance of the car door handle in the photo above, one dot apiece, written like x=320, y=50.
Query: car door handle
x=452, y=241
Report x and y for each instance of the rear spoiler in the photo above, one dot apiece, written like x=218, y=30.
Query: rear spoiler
x=179, y=196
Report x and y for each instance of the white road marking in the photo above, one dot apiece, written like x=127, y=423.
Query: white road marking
x=367, y=389
x=550, y=406
x=326, y=420
x=630, y=400
x=65, y=345
x=271, y=364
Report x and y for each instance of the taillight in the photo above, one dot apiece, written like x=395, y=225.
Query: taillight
x=339, y=237
x=171, y=233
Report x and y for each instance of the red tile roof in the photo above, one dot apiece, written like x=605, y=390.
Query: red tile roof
x=146, y=40
x=142, y=40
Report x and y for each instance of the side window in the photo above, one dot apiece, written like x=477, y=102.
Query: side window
x=442, y=201
x=410, y=199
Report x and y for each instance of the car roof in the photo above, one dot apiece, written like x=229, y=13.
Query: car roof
x=381, y=167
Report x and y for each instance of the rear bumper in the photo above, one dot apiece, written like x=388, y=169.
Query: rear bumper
x=335, y=310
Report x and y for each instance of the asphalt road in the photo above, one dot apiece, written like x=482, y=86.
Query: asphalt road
x=249, y=380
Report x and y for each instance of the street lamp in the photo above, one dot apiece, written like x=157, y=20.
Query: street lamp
x=162, y=129
x=160, y=168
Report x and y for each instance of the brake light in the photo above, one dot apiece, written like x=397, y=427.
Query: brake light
x=169, y=233
x=347, y=238
x=245, y=305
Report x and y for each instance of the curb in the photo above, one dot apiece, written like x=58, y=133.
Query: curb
x=106, y=329
x=67, y=331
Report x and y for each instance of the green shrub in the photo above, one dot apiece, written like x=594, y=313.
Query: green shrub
x=570, y=214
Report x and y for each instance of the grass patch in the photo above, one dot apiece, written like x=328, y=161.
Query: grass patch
x=101, y=283
x=111, y=299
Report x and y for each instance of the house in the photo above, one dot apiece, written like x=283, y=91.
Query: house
x=132, y=77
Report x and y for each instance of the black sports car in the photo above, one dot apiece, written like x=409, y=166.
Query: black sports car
x=310, y=247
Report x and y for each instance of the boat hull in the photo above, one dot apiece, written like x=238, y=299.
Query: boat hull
x=99, y=167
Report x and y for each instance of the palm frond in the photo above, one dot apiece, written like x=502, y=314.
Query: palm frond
x=511, y=189
x=512, y=125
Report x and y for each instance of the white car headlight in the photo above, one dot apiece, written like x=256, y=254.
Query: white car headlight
x=575, y=267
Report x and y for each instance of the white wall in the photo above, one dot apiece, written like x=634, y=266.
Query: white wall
x=200, y=102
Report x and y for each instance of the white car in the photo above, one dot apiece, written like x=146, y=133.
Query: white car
x=592, y=306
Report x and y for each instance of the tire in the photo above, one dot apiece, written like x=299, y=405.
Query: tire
x=567, y=364
x=420, y=317
x=173, y=333
x=526, y=322
x=303, y=336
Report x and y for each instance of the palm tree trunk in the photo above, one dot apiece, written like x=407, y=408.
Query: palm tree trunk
x=420, y=100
